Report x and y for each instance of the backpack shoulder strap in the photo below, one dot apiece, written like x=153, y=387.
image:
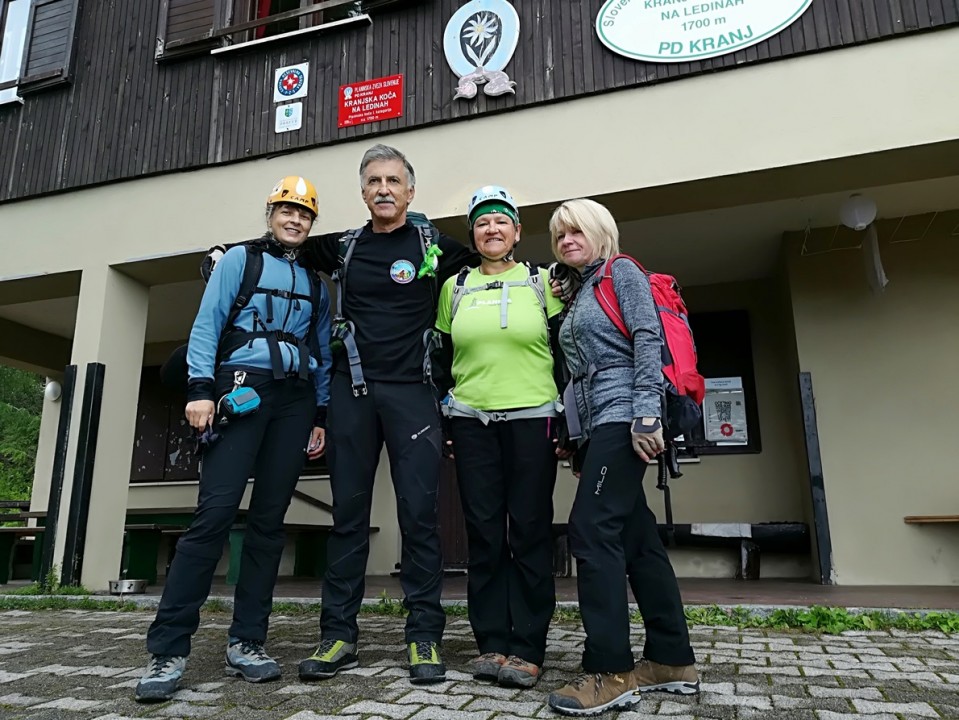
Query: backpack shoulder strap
x=344, y=252
x=427, y=237
x=316, y=295
x=427, y=240
x=535, y=281
x=251, y=277
x=608, y=266
x=605, y=292
x=345, y=249
x=459, y=290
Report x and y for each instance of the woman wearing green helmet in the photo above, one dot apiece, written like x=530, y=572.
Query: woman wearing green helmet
x=499, y=324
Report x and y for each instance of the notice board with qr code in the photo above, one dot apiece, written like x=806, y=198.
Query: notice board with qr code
x=724, y=411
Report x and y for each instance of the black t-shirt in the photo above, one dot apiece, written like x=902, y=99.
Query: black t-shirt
x=390, y=307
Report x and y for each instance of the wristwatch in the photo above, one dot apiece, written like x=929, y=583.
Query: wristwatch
x=639, y=429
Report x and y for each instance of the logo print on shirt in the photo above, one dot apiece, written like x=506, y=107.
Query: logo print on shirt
x=402, y=272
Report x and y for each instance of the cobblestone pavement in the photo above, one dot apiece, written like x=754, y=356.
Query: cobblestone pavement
x=81, y=664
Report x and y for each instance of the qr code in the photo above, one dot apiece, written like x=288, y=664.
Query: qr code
x=724, y=409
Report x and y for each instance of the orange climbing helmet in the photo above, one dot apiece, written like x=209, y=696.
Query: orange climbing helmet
x=296, y=190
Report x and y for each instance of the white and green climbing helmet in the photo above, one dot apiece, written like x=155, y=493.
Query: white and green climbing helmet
x=491, y=198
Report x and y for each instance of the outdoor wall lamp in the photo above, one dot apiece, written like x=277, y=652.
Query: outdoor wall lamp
x=857, y=212
x=52, y=391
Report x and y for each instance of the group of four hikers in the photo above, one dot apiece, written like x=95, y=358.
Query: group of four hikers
x=434, y=348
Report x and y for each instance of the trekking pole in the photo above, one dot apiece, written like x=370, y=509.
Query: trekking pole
x=663, y=485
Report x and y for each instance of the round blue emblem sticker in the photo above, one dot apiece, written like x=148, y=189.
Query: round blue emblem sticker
x=402, y=271
x=290, y=82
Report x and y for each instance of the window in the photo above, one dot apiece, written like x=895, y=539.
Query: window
x=260, y=9
x=265, y=8
x=14, y=15
x=194, y=26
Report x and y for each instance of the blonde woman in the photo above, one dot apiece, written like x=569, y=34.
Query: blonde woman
x=618, y=389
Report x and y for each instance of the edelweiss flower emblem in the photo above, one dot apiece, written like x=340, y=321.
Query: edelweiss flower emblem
x=480, y=29
x=480, y=40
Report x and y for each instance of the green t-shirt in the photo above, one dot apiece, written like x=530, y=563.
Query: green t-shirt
x=498, y=368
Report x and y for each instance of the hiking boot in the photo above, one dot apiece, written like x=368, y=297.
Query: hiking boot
x=330, y=657
x=162, y=678
x=426, y=665
x=516, y=672
x=594, y=693
x=247, y=659
x=676, y=679
x=487, y=665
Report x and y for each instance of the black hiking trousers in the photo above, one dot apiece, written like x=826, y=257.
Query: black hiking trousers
x=269, y=445
x=406, y=417
x=506, y=473
x=613, y=536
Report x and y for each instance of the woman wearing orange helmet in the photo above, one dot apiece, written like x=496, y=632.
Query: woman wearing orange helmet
x=259, y=363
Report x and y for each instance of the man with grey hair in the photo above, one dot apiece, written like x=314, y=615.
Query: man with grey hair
x=381, y=391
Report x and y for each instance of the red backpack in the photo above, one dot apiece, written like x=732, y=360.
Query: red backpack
x=685, y=384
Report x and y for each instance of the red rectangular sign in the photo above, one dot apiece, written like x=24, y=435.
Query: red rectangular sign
x=371, y=101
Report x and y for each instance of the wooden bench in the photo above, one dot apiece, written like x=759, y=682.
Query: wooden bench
x=309, y=555
x=9, y=537
x=139, y=539
x=13, y=537
x=755, y=538
x=141, y=548
x=309, y=559
x=147, y=527
x=144, y=544
x=783, y=537
x=930, y=519
x=142, y=536
x=18, y=506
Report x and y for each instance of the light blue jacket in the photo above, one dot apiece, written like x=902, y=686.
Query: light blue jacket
x=289, y=315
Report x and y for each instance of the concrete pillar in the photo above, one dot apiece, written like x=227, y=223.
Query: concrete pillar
x=110, y=329
x=46, y=446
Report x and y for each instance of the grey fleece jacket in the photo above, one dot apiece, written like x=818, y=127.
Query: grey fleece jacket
x=628, y=378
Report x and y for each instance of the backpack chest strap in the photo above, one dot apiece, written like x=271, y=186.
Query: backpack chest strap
x=460, y=291
x=284, y=294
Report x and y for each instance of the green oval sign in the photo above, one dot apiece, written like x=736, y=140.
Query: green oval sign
x=688, y=30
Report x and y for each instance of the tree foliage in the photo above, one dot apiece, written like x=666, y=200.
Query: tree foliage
x=21, y=389
x=21, y=402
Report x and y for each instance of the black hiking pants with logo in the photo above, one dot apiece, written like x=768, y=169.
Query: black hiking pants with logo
x=506, y=473
x=270, y=446
x=406, y=417
x=613, y=536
